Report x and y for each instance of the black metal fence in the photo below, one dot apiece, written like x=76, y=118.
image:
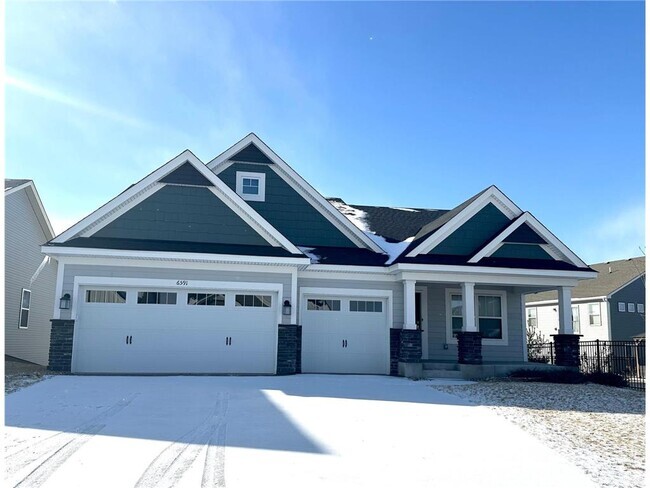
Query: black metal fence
x=624, y=358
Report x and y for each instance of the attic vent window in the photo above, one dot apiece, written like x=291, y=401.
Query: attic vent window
x=251, y=186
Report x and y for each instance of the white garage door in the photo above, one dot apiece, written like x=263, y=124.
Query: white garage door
x=145, y=330
x=344, y=335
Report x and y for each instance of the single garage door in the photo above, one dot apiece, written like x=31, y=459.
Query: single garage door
x=344, y=335
x=144, y=330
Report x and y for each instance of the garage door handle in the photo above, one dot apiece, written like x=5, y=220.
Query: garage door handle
x=130, y=339
x=127, y=339
x=344, y=343
x=228, y=341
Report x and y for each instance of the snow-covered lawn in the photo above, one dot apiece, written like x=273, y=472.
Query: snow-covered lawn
x=599, y=428
x=302, y=431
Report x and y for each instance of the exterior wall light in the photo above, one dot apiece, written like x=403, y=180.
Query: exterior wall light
x=286, y=308
x=64, y=303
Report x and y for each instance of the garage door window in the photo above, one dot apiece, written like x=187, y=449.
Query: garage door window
x=105, y=296
x=214, y=299
x=156, y=298
x=364, y=306
x=258, y=301
x=324, y=305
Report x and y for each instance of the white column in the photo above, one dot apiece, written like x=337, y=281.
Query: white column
x=564, y=309
x=469, y=314
x=409, y=304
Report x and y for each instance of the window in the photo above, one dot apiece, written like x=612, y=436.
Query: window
x=363, y=306
x=640, y=307
x=490, y=312
x=621, y=306
x=324, y=305
x=25, y=301
x=575, y=316
x=105, y=296
x=258, y=301
x=156, y=298
x=594, y=314
x=251, y=186
x=214, y=299
x=630, y=307
x=531, y=317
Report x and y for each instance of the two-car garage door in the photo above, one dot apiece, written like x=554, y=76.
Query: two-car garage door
x=142, y=330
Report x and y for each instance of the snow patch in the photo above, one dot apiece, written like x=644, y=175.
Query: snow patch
x=358, y=218
x=405, y=209
x=309, y=252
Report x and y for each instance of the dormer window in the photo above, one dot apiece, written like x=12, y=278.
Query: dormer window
x=251, y=186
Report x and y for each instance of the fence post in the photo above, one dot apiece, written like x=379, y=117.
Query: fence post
x=551, y=348
x=598, y=355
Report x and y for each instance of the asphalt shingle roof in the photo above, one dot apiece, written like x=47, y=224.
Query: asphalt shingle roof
x=611, y=276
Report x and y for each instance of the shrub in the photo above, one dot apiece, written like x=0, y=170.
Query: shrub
x=608, y=379
x=550, y=375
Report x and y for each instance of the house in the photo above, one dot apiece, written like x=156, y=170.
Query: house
x=241, y=266
x=610, y=307
x=30, y=276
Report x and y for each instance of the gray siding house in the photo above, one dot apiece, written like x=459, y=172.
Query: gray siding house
x=610, y=307
x=241, y=266
x=30, y=277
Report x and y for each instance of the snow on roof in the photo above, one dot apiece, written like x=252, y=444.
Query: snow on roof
x=358, y=218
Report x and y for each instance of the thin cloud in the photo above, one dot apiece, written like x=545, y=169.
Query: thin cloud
x=73, y=102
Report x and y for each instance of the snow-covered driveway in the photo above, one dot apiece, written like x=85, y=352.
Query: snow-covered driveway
x=302, y=431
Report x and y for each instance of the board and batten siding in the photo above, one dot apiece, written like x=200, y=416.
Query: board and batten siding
x=395, y=286
x=23, y=238
x=437, y=321
x=73, y=270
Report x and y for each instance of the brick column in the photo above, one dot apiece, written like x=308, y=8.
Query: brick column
x=410, y=346
x=61, y=345
x=567, y=349
x=469, y=348
x=289, y=349
x=394, y=350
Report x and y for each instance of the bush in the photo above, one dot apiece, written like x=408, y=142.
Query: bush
x=608, y=379
x=550, y=375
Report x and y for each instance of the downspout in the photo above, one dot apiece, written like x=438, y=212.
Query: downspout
x=46, y=260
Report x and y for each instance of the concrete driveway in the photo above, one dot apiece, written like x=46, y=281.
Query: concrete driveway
x=302, y=431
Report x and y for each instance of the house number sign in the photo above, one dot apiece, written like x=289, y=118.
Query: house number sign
x=182, y=283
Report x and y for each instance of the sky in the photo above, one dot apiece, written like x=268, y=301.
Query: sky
x=395, y=104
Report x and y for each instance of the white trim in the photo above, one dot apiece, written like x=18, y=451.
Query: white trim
x=480, y=292
x=524, y=323
x=299, y=184
x=424, y=311
x=481, y=270
x=239, y=185
x=528, y=218
x=409, y=304
x=172, y=256
x=542, y=303
x=34, y=198
x=564, y=310
x=342, y=275
x=60, y=270
x=356, y=293
x=491, y=195
x=294, y=296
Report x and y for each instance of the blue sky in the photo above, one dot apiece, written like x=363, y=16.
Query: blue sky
x=417, y=104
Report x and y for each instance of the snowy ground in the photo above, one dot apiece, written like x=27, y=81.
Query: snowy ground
x=599, y=428
x=302, y=431
x=19, y=374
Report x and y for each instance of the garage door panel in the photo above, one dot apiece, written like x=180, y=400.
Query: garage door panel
x=175, y=338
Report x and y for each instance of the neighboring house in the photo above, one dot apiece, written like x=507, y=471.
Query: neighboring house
x=209, y=268
x=30, y=277
x=610, y=307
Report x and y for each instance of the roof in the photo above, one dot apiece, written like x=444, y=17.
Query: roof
x=612, y=275
x=13, y=183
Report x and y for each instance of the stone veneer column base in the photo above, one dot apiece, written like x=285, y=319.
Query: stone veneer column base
x=61, y=338
x=406, y=352
x=567, y=349
x=469, y=348
x=289, y=349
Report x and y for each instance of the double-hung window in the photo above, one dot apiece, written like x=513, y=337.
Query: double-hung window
x=594, y=314
x=25, y=303
x=575, y=316
x=490, y=314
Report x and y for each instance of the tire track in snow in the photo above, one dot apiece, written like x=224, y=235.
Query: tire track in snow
x=55, y=450
x=174, y=461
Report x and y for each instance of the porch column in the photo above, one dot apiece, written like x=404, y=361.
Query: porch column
x=564, y=302
x=469, y=338
x=410, y=338
x=469, y=315
x=409, y=304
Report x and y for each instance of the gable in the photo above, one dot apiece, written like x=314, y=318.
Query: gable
x=521, y=251
x=286, y=210
x=525, y=234
x=186, y=174
x=251, y=154
x=182, y=213
x=474, y=233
